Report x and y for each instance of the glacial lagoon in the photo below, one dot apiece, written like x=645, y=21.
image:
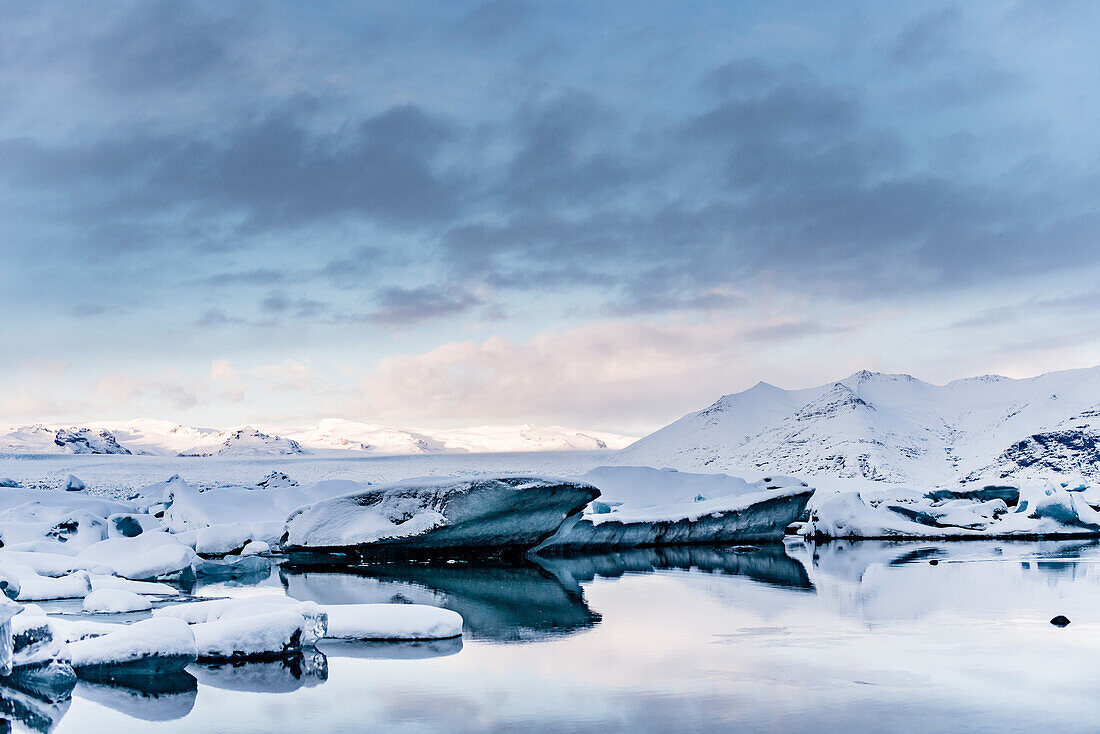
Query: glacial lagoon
x=859, y=636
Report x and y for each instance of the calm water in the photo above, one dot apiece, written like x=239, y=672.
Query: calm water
x=845, y=637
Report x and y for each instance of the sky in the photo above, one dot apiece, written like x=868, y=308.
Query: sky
x=595, y=214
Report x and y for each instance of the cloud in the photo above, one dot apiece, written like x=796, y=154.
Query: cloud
x=405, y=306
x=495, y=20
x=596, y=370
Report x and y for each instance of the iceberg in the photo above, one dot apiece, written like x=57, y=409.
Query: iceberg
x=1040, y=509
x=439, y=516
x=640, y=506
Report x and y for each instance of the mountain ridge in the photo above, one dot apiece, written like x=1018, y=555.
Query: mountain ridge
x=892, y=427
x=328, y=436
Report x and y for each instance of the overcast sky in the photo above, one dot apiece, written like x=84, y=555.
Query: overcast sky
x=600, y=214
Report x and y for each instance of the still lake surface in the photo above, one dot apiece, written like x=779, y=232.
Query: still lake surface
x=866, y=636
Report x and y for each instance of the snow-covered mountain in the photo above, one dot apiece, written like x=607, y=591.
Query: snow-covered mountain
x=892, y=428
x=165, y=438
x=248, y=441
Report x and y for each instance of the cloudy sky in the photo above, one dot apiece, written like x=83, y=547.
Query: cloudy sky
x=600, y=214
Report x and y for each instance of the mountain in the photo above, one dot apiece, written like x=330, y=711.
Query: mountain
x=165, y=438
x=248, y=441
x=892, y=428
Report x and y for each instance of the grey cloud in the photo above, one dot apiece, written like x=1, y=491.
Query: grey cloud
x=927, y=37
x=161, y=44
x=790, y=330
x=405, y=306
x=278, y=303
x=494, y=20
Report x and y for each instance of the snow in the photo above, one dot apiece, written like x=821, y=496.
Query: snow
x=441, y=513
x=34, y=525
x=330, y=436
x=314, y=619
x=33, y=587
x=391, y=622
x=255, y=547
x=169, y=640
x=49, y=564
x=254, y=636
x=138, y=587
x=645, y=506
x=146, y=556
x=247, y=441
x=1036, y=508
x=115, y=601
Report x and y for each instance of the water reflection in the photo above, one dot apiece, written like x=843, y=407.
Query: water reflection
x=767, y=564
x=289, y=673
x=381, y=650
x=32, y=712
x=171, y=700
x=851, y=635
x=497, y=602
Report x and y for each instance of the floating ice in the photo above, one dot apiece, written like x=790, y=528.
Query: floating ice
x=74, y=483
x=440, y=514
x=644, y=506
x=115, y=601
x=33, y=587
x=157, y=644
x=253, y=637
x=1033, y=509
x=391, y=622
x=315, y=619
x=146, y=556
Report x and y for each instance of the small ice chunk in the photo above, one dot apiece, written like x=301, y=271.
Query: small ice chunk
x=115, y=601
x=74, y=483
x=391, y=622
x=8, y=482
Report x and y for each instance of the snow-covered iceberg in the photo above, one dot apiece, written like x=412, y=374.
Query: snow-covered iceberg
x=640, y=506
x=391, y=622
x=1040, y=509
x=156, y=645
x=439, y=515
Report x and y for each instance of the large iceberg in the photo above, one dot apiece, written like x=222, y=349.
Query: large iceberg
x=439, y=515
x=640, y=506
